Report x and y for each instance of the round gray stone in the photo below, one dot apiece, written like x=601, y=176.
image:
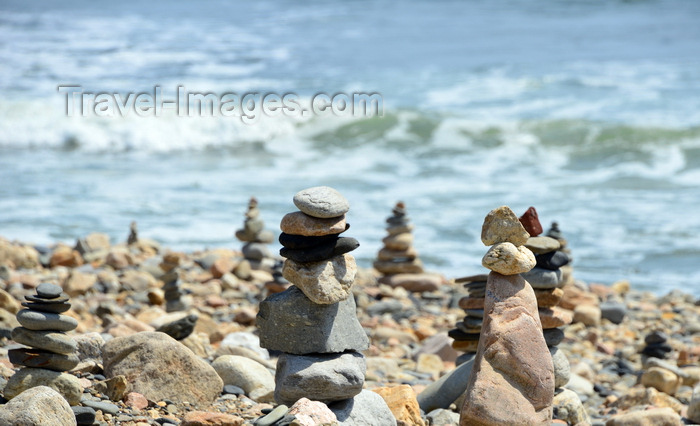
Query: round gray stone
x=542, y=279
x=48, y=291
x=322, y=202
x=562, y=368
x=55, y=308
x=366, y=408
x=48, y=340
x=36, y=320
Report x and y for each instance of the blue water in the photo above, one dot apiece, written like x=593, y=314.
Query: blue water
x=588, y=110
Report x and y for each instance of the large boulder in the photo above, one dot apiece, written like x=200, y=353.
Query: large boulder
x=159, y=367
x=37, y=406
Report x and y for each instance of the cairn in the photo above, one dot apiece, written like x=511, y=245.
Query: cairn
x=51, y=352
x=512, y=379
x=314, y=323
x=398, y=260
x=467, y=331
x=133, y=234
x=546, y=278
x=175, y=297
x=255, y=238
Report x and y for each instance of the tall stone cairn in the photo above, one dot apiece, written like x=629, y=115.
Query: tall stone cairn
x=314, y=323
x=255, y=238
x=512, y=380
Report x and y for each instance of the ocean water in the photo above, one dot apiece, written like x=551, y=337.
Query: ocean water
x=587, y=110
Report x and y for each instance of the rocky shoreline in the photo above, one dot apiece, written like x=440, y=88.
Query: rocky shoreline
x=143, y=311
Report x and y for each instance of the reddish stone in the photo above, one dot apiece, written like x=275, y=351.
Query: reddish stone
x=471, y=303
x=203, y=418
x=531, y=222
x=136, y=400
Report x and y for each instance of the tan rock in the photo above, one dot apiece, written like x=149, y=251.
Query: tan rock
x=386, y=254
x=398, y=242
x=588, y=315
x=17, y=256
x=114, y=388
x=647, y=396
x=311, y=413
x=662, y=380
x=549, y=297
x=424, y=282
x=298, y=223
x=414, y=266
x=431, y=364
x=651, y=417
x=119, y=259
x=325, y=282
x=694, y=406
x=542, y=245
x=472, y=303
x=78, y=283
x=222, y=266
x=65, y=384
x=136, y=401
x=512, y=380
x=501, y=225
x=574, y=296
x=569, y=407
x=507, y=259
x=206, y=418
x=9, y=303
x=402, y=403
x=65, y=256
x=555, y=317
x=137, y=281
x=469, y=346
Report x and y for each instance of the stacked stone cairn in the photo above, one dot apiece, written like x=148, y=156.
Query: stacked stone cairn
x=512, y=379
x=567, y=271
x=314, y=323
x=51, y=352
x=175, y=297
x=467, y=331
x=398, y=261
x=547, y=282
x=256, y=238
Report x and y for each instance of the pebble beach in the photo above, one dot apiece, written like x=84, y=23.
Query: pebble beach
x=633, y=356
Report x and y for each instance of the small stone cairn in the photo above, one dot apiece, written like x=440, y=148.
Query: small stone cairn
x=314, y=323
x=467, y=331
x=547, y=282
x=256, y=238
x=51, y=352
x=512, y=380
x=398, y=260
x=175, y=297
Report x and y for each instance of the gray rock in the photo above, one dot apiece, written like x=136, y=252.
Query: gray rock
x=613, y=311
x=42, y=359
x=562, y=368
x=568, y=407
x=181, y=328
x=105, y=407
x=694, y=406
x=319, y=377
x=84, y=415
x=366, y=408
x=243, y=339
x=542, y=279
x=553, y=336
x=542, y=245
x=65, y=384
x=35, y=320
x=48, y=340
x=255, y=251
x=446, y=390
x=90, y=346
x=48, y=291
x=37, y=406
x=251, y=376
x=656, y=362
x=159, y=367
x=322, y=202
x=272, y=417
x=54, y=308
x=442, y=417
x=291, y=323
x=580, y=385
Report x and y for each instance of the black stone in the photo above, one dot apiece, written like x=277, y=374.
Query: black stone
x=181, y=328
x=656, y=337
x=84, y=415
x=297, y=242
x=602, y=390
x=553, y=336
x=474, y=313
x=326, y=251
x=233, y=390
x=48, y=291
x=398, y=221
x=54, y=308
x=552, y=260
x=459, y=335
x=61, y=299
x=657, y=350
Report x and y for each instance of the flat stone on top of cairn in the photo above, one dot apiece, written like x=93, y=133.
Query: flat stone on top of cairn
x=512, y=380
x=314, y=322
x=398, y=260
x=51, y=352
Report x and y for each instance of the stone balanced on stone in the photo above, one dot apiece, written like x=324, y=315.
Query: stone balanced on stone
x=314, y=323
x=398, y=260
x=175, y=298
x=512, y=380
x=466, y=332
x=546, y=280
x=256, y=238
x=51, y=352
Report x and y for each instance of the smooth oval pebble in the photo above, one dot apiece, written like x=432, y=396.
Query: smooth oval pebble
x=39, y=321
x=48, y=291
x=84, y=415
x=322, y=202
x=55, y=308
x=62, y=298
x=53, y=341
x=105, y=407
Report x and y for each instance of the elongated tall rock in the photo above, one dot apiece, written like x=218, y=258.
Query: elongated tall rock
x=512, y=380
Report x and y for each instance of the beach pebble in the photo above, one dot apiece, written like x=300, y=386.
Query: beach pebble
x=542, y=245
x=84, y=415
x=311, y=413
x=366, y=408
x=568, y=407
x=36, y=406
x=444, y=391
x=320, y=377
x=42, y=359
x=272, y=417
x=653, y=416
x=507, y=259
x=502, y=225
x=255, y=251
x=299, y=223
x=423, y=282
x=554, y=317
x=34, y=320
x=588, y=315
x=161, y=368
x=398, y=242
x=48, y=340
x=105, y=407
x=553, y=260
x=251, y=376
x=65, y=384
x=542, y=279
x=694, y=406
x=613, y=311
x=562, y=369
x=48, y=291
x=205, y=418
x=321, y=202
x=579, y=385
x=402, y=402
x=325, y=282
x=531, y=222
x=442, y=416
x=662, y=380
x=290, y=322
